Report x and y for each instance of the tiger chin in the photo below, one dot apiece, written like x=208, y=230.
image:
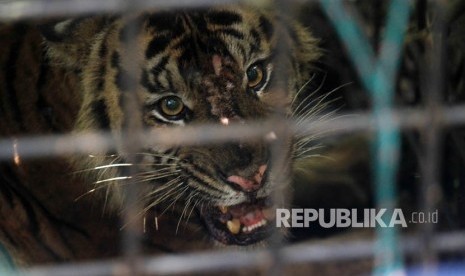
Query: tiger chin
x=214, y=65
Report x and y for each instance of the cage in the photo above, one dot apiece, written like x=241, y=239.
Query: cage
x=378, y=124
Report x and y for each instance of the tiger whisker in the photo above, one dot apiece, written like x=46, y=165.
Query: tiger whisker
x=151, y=172
x=113, y=179
x=109, y=166
x=103, y=156
x=164, y=198
x=311, y=113
x=193, y=207
x=315, y=111
x=103, y=186
x=175, y=199
x=157, y=155
x=182, y=213
x=105, y=167
x=318, y=106
x=150, y=177
x=304, y=152
x=165, y=195
x=310, y=94
x=144, y=211
x=304, y=100
x=142, y=180
x=153, y=176
x=165, y=186
x=303, y=89
x=108, y=182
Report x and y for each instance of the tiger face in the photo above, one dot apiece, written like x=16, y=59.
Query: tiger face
x=216, y=66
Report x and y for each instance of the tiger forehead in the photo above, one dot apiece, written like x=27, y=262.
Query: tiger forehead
x=179, y=45
x=186, y=34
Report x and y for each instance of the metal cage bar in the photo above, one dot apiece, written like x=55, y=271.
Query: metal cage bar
x=378, y=76
x=385, y=121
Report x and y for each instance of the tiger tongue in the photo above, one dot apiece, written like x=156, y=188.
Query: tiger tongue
x=252, y=218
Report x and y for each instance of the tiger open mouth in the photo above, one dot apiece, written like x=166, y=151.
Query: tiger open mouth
x=241, y=224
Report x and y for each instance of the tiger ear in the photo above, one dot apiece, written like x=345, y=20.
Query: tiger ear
x=69, y=42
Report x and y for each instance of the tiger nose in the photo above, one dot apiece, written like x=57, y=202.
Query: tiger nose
x=249, y=185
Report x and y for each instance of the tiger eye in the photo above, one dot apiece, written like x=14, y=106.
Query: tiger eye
x=171, y=106
x=254, y=75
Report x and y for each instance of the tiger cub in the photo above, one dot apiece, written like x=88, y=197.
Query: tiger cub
x=215, y=65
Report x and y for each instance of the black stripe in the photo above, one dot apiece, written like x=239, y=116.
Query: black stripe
x=115, y=60
x=101, y=76
x=121, y=104
x=147, y=84
x=32, y=206
x=231, y=32
x=169, y=78
x=163, y=21
x=4, y=186
x=156, y=86
x=257, y=41
x=43, y=106
x=266, y=27
x=200, y=170
x=160, y=66
x=10, y=75
x=199, y=21
x=199, y=191
x=157, y=45
x=223, y=18
x=100, y=110
x=199, y=181
x=187, y=55
x=184, y=42
x=15, y=184
x=10, y=239
x=102, y=53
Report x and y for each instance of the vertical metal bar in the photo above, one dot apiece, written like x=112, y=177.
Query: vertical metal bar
x=387, y=137
x=355, y=41
x=433, y=84
x=379, y=79
x=279, y=152
x=132, y=229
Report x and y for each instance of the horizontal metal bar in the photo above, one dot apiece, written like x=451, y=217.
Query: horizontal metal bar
x=228, y=260
x=91, y=143
x=27, y=9
x=14, y=10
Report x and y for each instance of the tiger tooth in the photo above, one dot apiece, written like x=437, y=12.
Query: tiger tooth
x=234, y=226
x=223, y=209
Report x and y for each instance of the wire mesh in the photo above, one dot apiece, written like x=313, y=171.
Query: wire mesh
x=377, y=75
